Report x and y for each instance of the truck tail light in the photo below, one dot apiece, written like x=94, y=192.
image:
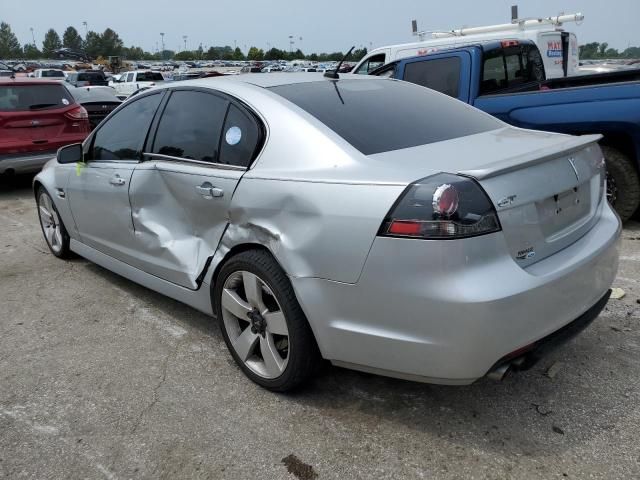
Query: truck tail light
x=443, y=206
x=509, y=43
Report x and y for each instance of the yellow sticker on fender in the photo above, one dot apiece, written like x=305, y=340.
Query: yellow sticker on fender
x=79, y=167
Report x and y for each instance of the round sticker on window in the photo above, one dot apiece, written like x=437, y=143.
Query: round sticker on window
x=65, y=101
x=233, y=135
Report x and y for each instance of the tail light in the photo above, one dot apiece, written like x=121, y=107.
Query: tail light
x=443, y=206
x=78, y=113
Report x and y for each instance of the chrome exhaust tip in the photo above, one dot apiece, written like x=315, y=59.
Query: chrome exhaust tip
x=499, y=372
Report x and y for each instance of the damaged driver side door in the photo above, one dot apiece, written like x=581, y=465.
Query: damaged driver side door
x=180, y=194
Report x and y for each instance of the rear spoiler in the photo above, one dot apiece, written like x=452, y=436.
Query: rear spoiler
x=570, y=145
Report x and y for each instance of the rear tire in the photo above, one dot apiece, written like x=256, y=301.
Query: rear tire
x=262, y=323
x=623, y=184
x=54, y=231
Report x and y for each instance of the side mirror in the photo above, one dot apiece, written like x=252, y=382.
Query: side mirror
x=70, y=154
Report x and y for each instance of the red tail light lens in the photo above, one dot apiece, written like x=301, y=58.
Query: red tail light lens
x=78, y=113
x=443, y=206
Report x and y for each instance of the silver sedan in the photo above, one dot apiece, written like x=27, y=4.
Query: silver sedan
x=376, y=224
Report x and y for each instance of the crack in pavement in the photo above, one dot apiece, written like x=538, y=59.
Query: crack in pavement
x=156, y=398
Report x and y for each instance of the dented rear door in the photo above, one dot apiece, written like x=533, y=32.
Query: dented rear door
x=179, y=215
x=180, y=194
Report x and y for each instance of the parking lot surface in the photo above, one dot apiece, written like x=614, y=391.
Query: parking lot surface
x=102, y=378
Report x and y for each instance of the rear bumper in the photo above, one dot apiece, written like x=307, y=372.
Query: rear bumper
x=25, y=163
x=448, y=311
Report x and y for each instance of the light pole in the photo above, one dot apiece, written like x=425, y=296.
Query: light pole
x=33, y=37
x=184, y=37
x=162, y=43
x=86, y=28
x=291, y=42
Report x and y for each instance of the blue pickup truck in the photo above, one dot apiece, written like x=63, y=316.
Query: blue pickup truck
x=507, y=80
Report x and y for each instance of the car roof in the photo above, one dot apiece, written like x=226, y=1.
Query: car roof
x=27, y=81
x=267, y=80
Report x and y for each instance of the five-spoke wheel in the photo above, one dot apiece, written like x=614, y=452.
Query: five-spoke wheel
x=262, y=322
x=52, y=227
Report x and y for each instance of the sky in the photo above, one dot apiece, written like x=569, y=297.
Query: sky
x=318, y=26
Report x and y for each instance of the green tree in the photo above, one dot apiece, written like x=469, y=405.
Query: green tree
x=589, y=51
x=93, y=44
x=631, y=52
x=612, y=53
x=185, y=55
x=602, y=49
x=9, y=45
x=357, y=54
x=111, y=44
x=51, y=42
x=31, y=52
x=255, y=54
x=71, y=39
x=237, y=54
x=274, y=54
x=133, y=53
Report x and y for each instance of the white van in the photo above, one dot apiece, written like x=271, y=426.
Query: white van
x=556, y=46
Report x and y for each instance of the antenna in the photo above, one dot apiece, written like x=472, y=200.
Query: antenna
x=334, y=74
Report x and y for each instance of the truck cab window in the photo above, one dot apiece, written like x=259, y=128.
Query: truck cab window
x=442, y=75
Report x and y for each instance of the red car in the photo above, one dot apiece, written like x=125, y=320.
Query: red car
x=36, y=118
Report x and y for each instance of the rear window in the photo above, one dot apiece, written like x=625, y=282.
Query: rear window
x=16, y=98
x=383, y=115
x=52, y=73
x=89, y=76
x=149, y=77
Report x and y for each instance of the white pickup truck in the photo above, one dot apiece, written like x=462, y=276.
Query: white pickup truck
x=130, y=82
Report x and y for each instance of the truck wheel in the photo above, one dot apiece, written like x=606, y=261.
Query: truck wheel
x=623, y=184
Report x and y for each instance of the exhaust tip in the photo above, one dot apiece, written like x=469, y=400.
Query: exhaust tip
x=499, y=372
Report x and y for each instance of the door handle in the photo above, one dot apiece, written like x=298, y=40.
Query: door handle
x=117, y=180
x=209, y=191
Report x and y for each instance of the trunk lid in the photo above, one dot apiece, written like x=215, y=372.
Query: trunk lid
x=547, y=188
x=548, y=198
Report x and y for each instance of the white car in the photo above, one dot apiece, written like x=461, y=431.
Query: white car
x=130, y=82
x=49, y=73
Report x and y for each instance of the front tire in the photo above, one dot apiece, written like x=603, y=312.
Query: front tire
x=623, y=184
x=262, y=323
x=54, y=231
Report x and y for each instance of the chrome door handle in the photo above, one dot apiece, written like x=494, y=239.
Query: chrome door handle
x=116, y=180
x=208, y=191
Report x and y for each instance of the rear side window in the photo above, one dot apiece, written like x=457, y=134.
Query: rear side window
x=442, y=75
x=190, y=126
x=18, y=98
x=240, y=138
x=376, y=115
x=122, y=136
x=90, y=76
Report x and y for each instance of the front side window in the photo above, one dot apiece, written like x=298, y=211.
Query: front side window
x=190, y=126
x=373, y=62
x=442, y=74
x=122, y=136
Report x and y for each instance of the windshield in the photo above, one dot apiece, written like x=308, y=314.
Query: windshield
x=17, y=98
x=383, y=115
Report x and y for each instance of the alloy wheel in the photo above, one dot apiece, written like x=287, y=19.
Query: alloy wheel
x=50, y=222
x=255, y=324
